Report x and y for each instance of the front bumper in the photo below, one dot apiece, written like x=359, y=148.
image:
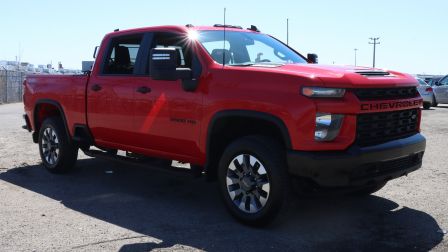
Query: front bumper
x=359, y=166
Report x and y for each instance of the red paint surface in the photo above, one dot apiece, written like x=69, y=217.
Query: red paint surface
x=119, y=117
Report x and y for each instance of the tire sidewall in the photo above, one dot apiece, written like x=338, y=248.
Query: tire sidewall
x=56, y=125
x=434, y=101
x=273, y=169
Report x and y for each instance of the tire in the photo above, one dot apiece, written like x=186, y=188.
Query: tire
x=267, y=187
x=434, y=101
x=368, y=190
x=57, y=153
x=426, y=105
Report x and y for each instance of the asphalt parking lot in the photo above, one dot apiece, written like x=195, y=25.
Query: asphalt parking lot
x=106, y=206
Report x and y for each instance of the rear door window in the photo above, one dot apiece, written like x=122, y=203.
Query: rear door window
x=122, y=55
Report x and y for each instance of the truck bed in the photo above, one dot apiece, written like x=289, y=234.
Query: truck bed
x=68, y=90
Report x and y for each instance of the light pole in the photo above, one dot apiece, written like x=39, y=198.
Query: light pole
x=6, y=84
x=356, y=50
x=287, y=31
x=374, y=43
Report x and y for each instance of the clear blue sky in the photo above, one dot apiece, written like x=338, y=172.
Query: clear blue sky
x=414, y=33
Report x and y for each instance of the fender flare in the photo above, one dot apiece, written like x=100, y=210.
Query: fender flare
x=58, y=106
x=253, y=114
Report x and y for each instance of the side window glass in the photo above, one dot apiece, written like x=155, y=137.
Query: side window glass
x=180, y=53
x=122, y=55
x=174, y=40
x=444, y=82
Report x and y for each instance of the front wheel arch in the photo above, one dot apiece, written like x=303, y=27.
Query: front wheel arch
x=219, y=134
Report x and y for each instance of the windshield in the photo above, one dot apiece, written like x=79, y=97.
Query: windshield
x=422, y=82
x=245, y=48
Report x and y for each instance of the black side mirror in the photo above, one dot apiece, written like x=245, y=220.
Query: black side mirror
x=163, y=63
x=312, y=58
x=163, y=66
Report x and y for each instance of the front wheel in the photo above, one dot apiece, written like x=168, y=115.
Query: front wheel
x=58, y=154
x=253, y=179
x=426, y=105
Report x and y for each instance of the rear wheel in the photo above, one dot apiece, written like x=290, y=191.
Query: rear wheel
x=427, y=105
x=58, y=154
x=253, y=179
x=434, y=101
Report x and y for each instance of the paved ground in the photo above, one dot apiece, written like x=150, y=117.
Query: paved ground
x=135, y=209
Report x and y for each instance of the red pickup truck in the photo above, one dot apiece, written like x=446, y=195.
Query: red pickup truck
x=239, y=106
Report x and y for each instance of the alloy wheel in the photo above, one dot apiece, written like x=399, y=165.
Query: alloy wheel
x=50, y=146
x=248, y=183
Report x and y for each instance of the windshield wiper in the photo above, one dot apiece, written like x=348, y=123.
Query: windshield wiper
x=258, y=64
x=242, y=64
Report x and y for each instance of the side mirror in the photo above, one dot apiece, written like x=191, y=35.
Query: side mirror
x=163, y=66
x=163, y=63
x=312, y=58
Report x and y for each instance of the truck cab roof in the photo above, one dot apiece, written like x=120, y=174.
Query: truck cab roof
x=179, y=28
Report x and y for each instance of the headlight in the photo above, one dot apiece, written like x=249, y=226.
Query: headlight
x=327, y=126
x=323, y=92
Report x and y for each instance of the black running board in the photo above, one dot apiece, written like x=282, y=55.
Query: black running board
x=147, y=164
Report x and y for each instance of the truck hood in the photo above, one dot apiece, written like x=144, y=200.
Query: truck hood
x=349, y=76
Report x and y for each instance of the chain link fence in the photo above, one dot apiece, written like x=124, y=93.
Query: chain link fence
x=11, y=88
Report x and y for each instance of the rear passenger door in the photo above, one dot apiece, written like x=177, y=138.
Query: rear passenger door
x=111, y=92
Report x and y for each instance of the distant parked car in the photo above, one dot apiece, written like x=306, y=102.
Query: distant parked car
x=440, y=88
x=426, y=93
x=433, y=81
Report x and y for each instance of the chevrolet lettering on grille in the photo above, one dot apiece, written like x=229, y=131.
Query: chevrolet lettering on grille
x=390, y=105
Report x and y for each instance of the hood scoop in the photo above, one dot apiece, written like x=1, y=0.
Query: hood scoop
x=374, y=73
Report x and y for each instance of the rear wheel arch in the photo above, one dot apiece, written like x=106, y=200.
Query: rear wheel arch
x=229, y=125
x=46, y=108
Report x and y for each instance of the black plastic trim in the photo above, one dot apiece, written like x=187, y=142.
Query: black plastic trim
x=246, y=114
x=82, y=135
x=27, y=125
x=335, y=168
x=58, y=106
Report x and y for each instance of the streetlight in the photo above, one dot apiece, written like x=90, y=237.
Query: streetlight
x=374, y=43
x=356, y=50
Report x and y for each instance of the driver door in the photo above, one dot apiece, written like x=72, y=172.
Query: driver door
x=167, y=119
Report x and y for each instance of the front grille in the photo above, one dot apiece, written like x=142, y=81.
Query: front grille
x=377, y=169
x=367, y=94
x=376, y=128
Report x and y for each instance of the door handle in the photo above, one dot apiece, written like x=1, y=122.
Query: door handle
x=143, y=90
x=96, y=87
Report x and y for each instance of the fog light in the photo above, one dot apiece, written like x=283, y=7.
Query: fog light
x=327, y=126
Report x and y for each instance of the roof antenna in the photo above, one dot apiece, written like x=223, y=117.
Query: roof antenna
x=224, y=42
